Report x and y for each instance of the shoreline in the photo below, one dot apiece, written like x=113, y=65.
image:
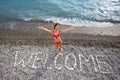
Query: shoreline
x=27, y=33
x=31, y=26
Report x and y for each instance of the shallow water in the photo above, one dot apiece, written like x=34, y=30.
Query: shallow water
x=71, y=12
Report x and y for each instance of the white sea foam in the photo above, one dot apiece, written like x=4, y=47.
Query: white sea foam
x=26, y=19
x=80, y=23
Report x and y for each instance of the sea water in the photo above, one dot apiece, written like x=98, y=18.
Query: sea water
x=70, y=12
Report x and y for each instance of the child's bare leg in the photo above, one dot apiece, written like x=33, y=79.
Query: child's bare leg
x=60, y=47
x=57, y=47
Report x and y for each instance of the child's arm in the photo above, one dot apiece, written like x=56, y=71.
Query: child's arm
x=67, y=29
x=45, y=29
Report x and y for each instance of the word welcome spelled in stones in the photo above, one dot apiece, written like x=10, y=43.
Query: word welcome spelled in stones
x=80, y=60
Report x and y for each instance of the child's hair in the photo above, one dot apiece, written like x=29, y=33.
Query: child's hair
x=56, y=25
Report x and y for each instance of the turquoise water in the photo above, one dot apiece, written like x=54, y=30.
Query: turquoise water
x=75, y=12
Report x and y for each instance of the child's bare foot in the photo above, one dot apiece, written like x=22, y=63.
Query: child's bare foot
x=60, y=49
